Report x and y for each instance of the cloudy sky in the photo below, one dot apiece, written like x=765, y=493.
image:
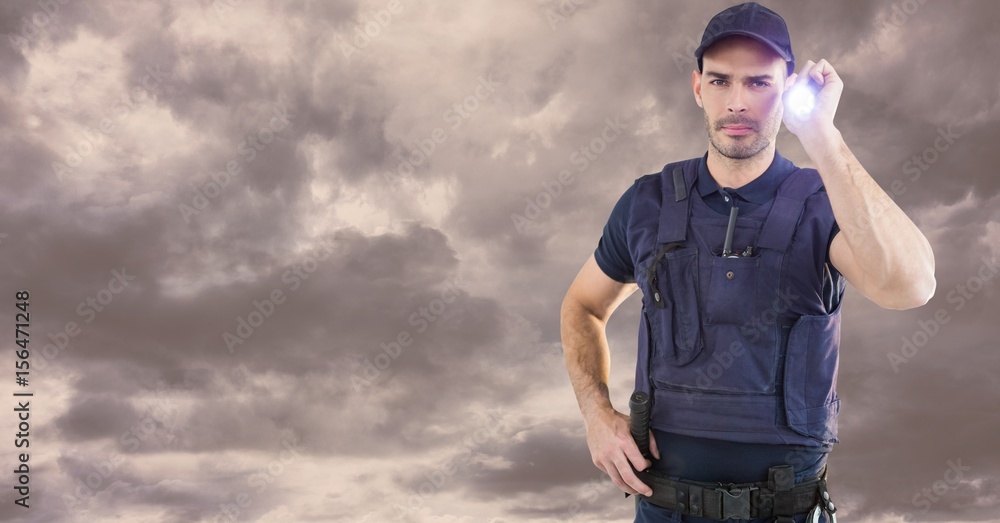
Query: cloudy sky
x=303, y=261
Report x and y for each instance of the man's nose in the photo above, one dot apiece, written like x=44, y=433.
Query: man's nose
x=736, y=103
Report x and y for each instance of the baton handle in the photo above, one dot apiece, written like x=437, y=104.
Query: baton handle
x=638, y=406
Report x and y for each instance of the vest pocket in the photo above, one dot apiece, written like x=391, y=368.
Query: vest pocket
x=672, y=306
x=810, y=377
x=732, y=293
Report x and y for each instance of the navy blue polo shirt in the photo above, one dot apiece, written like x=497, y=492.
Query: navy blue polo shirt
x=694, y=458
x=612, y=254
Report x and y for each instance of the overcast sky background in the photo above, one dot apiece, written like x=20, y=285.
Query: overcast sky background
x=143, y=413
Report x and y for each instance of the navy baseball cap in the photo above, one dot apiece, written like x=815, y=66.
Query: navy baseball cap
x=753, y=20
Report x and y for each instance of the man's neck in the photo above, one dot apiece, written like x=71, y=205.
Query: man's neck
x=729, y=172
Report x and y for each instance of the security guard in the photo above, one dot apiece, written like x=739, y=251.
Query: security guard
x=742, y=259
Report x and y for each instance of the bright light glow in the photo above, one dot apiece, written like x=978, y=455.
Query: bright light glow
x=801, y=99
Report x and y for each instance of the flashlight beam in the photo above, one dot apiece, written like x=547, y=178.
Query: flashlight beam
x=802, y=98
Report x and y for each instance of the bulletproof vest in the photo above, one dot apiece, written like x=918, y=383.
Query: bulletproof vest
x=741, y=349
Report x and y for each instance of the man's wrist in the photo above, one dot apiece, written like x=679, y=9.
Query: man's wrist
x=597, y=410
x=821, y=142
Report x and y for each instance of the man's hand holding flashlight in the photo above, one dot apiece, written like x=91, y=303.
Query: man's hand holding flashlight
x=811, y=97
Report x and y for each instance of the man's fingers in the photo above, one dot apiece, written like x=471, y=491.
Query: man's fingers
x=830, y=75
x=616, y=478
x=633, y=454
x=821, y=72
x=805, y=72
x=824, y=67
x=653, y=449
x=631, y=479
x=817, y=74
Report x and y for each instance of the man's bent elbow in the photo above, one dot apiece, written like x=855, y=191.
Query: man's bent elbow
x=913, y=293
x=574, y=309
x=928, y=289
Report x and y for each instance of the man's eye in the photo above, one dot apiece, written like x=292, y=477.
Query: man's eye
x=717, y=82
x=761, y=84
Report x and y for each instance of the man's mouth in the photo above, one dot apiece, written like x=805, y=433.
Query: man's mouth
x=737, y=130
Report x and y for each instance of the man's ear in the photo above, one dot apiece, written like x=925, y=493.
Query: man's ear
x=790, y=81
x=696, y=87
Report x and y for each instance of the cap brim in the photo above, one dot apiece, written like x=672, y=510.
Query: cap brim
x=705, y=45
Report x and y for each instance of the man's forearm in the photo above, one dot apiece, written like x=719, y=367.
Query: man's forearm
x=588, y=359
x=886, y=244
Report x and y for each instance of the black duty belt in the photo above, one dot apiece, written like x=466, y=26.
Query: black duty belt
x=778, y=497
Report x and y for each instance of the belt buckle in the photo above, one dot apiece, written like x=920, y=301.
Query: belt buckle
x=735, y=502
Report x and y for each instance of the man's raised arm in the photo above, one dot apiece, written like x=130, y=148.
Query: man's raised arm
x=878, y=249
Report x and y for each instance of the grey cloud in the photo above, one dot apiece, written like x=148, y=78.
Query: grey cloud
x=495, y=344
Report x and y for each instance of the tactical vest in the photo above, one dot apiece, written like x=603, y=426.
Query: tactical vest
x=740, y=349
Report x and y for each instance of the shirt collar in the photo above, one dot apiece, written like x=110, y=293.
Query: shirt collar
x=760, y=190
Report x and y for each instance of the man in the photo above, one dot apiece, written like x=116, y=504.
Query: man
x=739, y=332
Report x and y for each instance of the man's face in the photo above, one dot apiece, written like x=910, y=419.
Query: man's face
x=740, y=90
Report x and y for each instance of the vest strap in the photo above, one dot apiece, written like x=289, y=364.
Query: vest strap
x=680, y=186
x=786, y=211
x=675, y=205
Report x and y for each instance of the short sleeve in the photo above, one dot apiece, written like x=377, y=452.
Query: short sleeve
x=833, y=234
x=612, y=254
x=834, y=286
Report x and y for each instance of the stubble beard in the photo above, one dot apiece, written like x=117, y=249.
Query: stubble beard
x=738, y=148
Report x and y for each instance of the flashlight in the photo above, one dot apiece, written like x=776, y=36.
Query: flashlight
x=802, y=98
